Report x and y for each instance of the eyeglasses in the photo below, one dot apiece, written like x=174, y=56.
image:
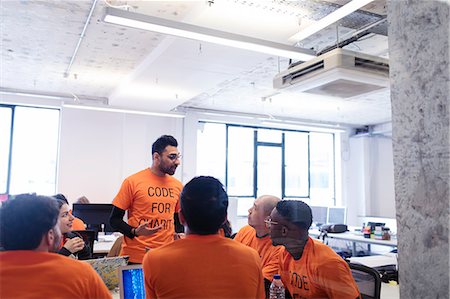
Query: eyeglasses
x=269, y=222
x=174, y=157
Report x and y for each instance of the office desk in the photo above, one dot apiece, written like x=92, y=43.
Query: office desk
x=389, y=291
x=104, y=244
x=102, y=247
x=355, y=238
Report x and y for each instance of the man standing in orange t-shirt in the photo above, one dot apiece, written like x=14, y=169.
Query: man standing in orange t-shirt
x=204, y=264
x=29, y=268
x=256, y=236
x=151, y=197
x=308, y=268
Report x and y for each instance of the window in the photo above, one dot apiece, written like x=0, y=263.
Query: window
x=255, y=161
x=28, y=149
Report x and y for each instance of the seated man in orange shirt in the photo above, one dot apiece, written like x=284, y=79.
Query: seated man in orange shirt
x=203, y=264
x=29, y=232
x=256, y=236
x=308, y=268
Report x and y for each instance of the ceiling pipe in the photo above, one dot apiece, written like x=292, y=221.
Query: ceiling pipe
x=66, y=73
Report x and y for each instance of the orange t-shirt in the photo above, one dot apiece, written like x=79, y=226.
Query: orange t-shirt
x=78, y=224
x=208, y=266
x=319, y=273
x=267, y=252
x=148, y=198
x=33, y=274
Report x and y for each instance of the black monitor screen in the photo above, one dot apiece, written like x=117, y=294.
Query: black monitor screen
x=94, y=215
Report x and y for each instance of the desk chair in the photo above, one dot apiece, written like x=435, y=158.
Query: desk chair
x=88, y=238
x=367, y=279
x=116, y=248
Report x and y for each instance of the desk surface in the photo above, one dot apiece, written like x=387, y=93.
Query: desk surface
x=104, y=244
x=355, y=237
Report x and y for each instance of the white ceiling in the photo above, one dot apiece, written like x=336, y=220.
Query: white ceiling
x=143, y=70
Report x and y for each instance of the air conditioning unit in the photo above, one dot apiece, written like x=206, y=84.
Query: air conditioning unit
x=339, y=73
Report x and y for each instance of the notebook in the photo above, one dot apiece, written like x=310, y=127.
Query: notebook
x=107, y=268
x=131, y=282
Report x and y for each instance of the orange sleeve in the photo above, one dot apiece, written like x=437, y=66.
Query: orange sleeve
x=97, y=289
x=123, y=199
x=78, y=224
x=149, y=290
x=337, y=281
x=271, y=265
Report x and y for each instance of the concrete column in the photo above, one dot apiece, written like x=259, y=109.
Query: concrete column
x=420, y=93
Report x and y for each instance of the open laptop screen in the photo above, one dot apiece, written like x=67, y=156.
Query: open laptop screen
x=131, y=282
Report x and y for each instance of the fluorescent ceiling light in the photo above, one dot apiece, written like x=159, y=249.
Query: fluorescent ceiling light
x=330, y=19
x=121, y=110
x=303, y=126
x=150, y=23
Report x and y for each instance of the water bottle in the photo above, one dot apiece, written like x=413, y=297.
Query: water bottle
x=276, y=290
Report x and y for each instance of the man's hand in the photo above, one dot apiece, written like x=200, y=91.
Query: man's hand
x=145, y=230
x=178, y=236
x=74, y=245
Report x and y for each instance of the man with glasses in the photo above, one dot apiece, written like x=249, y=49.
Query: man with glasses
x=256, y=236
x=308, y=268
x=151, y=198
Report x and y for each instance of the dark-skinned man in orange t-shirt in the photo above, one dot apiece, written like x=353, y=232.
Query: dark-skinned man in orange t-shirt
x=308, y=268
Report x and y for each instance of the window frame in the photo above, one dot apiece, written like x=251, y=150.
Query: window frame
x=11, y=142
x=282, y=144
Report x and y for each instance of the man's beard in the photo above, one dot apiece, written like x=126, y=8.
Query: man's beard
x=168, y=170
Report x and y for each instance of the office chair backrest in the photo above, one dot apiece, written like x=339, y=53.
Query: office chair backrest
x=367, y=279
x=88, y=237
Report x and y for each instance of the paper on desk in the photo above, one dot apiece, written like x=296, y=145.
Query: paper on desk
x=375, y=260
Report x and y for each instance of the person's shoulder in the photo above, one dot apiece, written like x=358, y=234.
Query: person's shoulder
x=245, y=232
x=239, y=247
x=173, y=180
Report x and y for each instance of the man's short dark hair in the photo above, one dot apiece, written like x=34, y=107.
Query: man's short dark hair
x=204, y=204
x=25, y=219
x=162, y=142
x=296, y=212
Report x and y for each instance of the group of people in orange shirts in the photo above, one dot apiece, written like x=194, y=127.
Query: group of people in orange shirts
x=199, y=263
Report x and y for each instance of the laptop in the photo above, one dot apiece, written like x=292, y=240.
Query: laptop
x=131, y=282
x=107, y=268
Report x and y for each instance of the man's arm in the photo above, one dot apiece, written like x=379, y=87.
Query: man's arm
x=116, y=221
x=179, y=228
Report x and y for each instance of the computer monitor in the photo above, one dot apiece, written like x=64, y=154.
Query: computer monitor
x=94, y=215
x=131, y=282
x=337, y=215
x=319, y=215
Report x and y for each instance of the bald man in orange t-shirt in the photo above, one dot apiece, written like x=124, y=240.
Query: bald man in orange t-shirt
x=151, y=198
x=256, y=236
x=30, y=234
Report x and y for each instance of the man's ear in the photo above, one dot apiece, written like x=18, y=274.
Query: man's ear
x=50, y=238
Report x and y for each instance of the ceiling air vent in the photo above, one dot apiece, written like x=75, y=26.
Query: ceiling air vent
x=338, y=73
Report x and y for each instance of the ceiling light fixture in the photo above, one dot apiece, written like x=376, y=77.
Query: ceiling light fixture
x=150, y=23
x=122, y=110
x=329, y=19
